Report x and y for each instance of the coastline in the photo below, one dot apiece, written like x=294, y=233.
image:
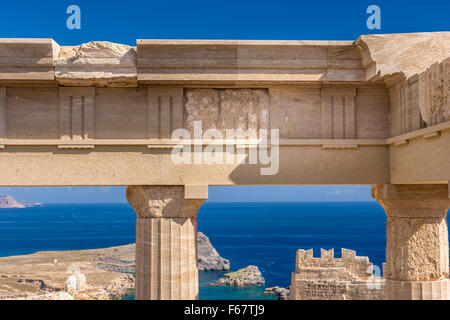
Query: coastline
x=106, y=274
x=262, y=242
x=44, y=275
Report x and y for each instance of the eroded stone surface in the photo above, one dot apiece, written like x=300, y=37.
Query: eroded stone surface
x=162, y=202
x=244, y=109
x=416, y=67
x=417, y=240
x=434, y=87
x=417, y=234
x=208, y=257
x=409, y=54
x=98, y=63
x=417, y=249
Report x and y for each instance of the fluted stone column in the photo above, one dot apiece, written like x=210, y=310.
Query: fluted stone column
x=166, y=242
x=417, y=250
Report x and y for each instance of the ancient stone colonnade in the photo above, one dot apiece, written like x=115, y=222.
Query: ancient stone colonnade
x=375, y=111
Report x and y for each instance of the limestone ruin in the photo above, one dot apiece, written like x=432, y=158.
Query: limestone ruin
x=328, y=278
x=374, y=111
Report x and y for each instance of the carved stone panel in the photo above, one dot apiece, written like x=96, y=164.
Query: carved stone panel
x=245, y=109
x=77, y=113
x=405, y=114
x=338, y=113
x=165, y=112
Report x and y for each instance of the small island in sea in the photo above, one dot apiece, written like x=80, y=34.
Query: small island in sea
x=249, y=276
x=8, y=202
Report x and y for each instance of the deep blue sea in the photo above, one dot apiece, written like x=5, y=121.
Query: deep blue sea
x=263, y=234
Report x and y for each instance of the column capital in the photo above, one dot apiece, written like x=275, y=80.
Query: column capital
x=416, y=239
x=413, y=201
x=164, y=201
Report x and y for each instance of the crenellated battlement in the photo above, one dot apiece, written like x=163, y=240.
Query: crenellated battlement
x=327, y=277
x=359, y=266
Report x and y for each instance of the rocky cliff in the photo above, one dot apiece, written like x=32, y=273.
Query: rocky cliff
x=208, y=257
x=122, y=259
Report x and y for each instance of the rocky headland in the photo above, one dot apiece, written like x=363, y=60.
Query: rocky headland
x=122, y=259
x=8, y=202
x=246, y=277
x=61, y=275
x=208, y=257
x=100, y=274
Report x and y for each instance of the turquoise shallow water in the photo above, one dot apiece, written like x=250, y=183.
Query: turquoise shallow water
x=207, y=292
x=263, y=234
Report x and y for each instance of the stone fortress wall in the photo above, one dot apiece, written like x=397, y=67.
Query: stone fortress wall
x=328, y=278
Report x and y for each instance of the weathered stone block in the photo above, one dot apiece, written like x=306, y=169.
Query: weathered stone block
x=245, y=109
x=98, y=63
x=348, y=254
x=32, y=113
x=121, y=113
x=295, y=112
x=27, y=59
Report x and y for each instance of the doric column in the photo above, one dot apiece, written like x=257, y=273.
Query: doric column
x=417, y=252
x=166, y=241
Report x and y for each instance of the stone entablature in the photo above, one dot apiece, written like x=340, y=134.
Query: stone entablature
x=421, y=100
x=346, y=113
x=27, y=61
x=328, y=278
x=415, y=89
x=374, y=111
x=243, y=61
x=77, y=113
x=389, y=55
x=418, y=96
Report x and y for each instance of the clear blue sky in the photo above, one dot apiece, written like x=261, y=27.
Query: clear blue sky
x=126, y=21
